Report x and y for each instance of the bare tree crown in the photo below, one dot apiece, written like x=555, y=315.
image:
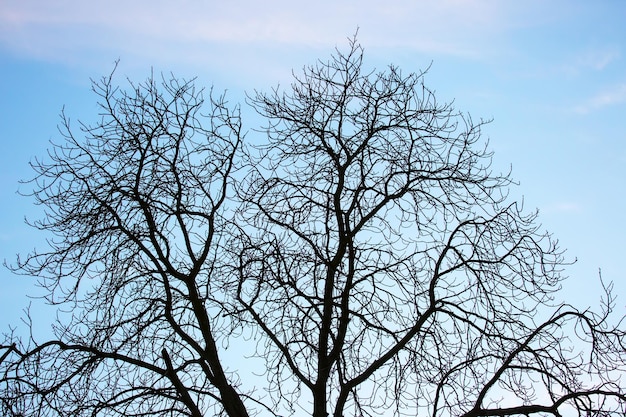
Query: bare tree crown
x=361, y=236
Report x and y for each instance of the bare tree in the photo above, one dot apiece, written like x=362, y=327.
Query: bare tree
x=364, y=240
x=136, y=213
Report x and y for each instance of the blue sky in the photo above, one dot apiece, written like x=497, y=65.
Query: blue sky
x=552, y=75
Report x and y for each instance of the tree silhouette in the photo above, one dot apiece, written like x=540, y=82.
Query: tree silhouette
x=362, y=240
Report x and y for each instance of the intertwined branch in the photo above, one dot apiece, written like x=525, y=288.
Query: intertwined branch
x=360, y=237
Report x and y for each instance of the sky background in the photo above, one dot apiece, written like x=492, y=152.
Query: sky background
x=551, y=74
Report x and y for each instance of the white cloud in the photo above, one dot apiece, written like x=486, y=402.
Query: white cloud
x=62, y=28
x=562, y=207
x=596, y=59
x=600, y=59
x=610, y=97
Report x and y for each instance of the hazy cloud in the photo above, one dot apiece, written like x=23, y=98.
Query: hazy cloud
x=600, y=59
x=562, y=207
x=610, y=97
x=597, y=59
x=58, y=29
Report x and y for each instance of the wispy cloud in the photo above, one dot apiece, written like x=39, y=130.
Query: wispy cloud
x=609, y=97
x=596, y=59
x=600, y=59
x=562, y=207
x=60, y=28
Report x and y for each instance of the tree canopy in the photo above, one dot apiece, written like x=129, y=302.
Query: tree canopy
x=359, y=244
